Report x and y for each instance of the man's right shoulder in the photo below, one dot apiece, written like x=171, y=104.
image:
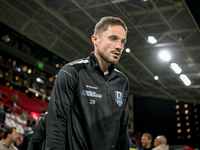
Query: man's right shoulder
x=77, y=64
x=79, y=61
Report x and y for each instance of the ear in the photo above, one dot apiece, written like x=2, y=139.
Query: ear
x=94, y=39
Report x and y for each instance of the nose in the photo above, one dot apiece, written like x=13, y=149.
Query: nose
x=119, y=46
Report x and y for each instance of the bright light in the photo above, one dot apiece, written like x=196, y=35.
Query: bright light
x=177, y=106
x=186, y=111
x=50, y=79
x=128, y=50
x=156, y=78
x=189, y=136
x=29, y=71
x=18, y=69
x=16, y=78
x=178, y=118
x=164, y=55
x=176, y=68
x=48, y=97
x=179, y=131
x=178, y=125
x=152, y=40
x=188, y=130
x=36, y=94
x=178, y=112
x=185, y=79
x=39, y=80
x=186, y=105
x=187, y=124
x=57, y=65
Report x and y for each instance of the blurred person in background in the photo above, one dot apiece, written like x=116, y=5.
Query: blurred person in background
x=28, y=136
x=146, y=140
x=132, y=146
x=160, y=143
x=37, y=141
x=2, y=130
x=9, y=138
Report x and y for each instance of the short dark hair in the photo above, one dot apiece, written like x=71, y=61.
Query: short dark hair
x=103, y=24
x=9, y=130
x=148, y=135
x=41, y=115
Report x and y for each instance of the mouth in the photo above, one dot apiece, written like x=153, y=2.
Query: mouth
x=116, y=54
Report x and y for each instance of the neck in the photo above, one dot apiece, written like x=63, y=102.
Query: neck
x=103, y=64
x=148, y=146
x=7, y=141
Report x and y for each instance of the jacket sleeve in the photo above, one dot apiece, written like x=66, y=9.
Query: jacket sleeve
x=123, y=138
x=59, y=108
x=38, y=136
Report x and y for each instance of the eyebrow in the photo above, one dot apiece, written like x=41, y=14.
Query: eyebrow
x=118, y=37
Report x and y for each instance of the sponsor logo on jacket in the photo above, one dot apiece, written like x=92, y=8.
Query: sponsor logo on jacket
x=91, y=94
x=119, y=98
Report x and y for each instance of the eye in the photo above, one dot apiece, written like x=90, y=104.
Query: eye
x=113, y=38
x=123, y=41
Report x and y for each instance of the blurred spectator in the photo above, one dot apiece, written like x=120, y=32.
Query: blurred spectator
x=27, y=137
x=2, y=116
x=25, y=115
x=6, y=108
x=10, y=137
x=2, y=130
x=146, y=140
x=37, y=140
x=160, y=143
x=136, y=139
x=31, y=122
x=18, y=143
x=4, y=95
x=15, y=100
x=131, y=145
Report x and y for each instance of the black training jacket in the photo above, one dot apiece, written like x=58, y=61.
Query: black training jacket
x=88, y=111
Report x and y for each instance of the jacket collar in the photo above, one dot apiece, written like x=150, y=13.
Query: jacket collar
x=94, y=63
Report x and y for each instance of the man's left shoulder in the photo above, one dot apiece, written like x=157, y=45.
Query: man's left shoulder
x=120, y=73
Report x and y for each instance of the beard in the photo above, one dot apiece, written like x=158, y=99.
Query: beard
x=106, y=56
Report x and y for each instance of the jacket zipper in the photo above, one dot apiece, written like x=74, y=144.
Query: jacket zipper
x=106, y=88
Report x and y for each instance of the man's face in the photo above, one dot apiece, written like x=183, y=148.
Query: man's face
x=109, y=44
x=39, y=118
x=145, y=141
x=156, y=142
x=14, y=135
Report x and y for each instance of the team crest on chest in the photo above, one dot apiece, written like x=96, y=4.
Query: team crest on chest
x=119, y=98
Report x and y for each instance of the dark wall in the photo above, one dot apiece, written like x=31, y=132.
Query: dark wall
x=158, y=117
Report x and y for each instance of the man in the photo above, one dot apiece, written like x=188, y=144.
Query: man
x=39, y=135
x=160, y=143
x=28, y=136
x=10, y=137
x=88, y=108
x=146, y=140
x=132, y=146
